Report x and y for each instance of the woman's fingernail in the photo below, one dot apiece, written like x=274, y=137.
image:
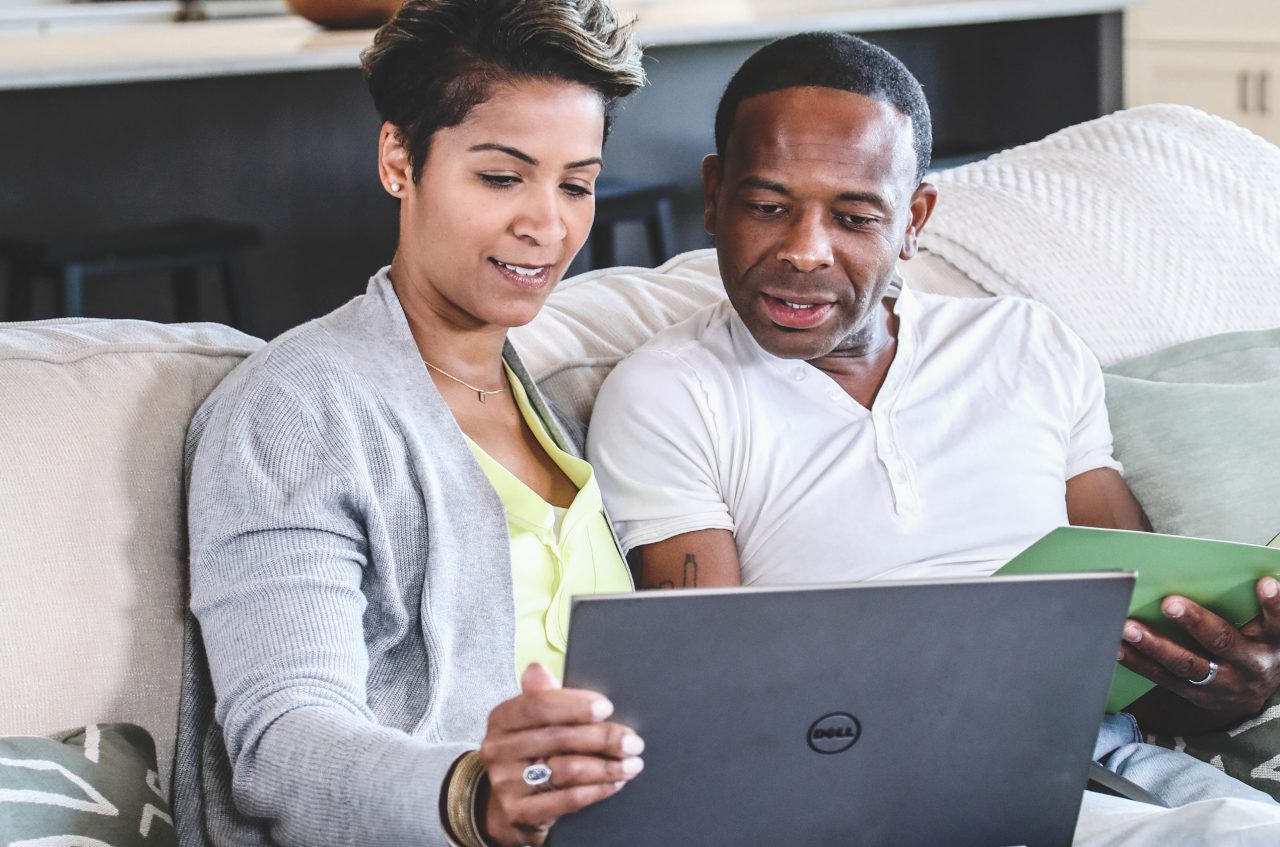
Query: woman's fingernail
x=632, y=766
x=1120, y=654
x=601, y=709
x=1174, y=608
x=620, y=783
x=1270, y=588
x=1131, y=633
x=632, y=745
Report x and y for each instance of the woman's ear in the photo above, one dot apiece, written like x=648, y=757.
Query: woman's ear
x=394, y=168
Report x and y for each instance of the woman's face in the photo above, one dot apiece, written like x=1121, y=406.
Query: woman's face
x=504, y=203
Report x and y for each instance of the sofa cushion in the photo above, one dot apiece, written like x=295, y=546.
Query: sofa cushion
x=92, y=530
x=1194, y=426
x=1142, y=229
x=594, y=320
x=93, y=785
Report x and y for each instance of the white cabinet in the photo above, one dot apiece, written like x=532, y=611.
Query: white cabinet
x=1221, y=56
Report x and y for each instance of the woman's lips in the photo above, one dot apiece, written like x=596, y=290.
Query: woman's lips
x=531, y=281
x=796, y=315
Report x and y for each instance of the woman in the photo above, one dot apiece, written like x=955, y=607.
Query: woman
x=386, y=518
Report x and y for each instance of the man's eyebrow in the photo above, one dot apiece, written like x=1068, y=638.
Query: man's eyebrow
x=764, y=185
x=868, y=197
x=525, y=157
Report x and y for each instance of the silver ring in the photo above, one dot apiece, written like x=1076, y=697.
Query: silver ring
x=1209, y=677
x=538, y=775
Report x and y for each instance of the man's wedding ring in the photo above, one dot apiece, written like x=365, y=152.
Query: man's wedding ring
x=1208, y=678
x=538, y=775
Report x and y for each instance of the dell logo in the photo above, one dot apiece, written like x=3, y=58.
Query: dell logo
x=834, y=733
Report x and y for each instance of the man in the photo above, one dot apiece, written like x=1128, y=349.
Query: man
x=828, y=424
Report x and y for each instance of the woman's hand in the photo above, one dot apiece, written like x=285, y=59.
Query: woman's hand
x=568, y=730
x=1247, y=659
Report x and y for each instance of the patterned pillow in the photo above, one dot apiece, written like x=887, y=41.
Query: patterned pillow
x=90, y=787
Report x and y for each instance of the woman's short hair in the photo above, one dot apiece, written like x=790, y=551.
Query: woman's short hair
x=436, y=60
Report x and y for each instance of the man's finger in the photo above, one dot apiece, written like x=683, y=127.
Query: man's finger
x=1175, y=661
x=1269, y=600
x=1217, y=635
x=1145, y=666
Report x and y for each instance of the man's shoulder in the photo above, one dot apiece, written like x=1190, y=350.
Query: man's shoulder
x=1003, y=319
x=695, y=343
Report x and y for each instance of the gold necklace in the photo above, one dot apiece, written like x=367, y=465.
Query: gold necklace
x=482, y=394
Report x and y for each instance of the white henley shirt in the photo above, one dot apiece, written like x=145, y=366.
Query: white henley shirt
x=989, y=407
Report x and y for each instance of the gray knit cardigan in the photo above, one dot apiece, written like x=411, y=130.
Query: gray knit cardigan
x=351, y=579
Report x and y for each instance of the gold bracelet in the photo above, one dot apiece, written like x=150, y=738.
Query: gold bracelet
x=460, y=803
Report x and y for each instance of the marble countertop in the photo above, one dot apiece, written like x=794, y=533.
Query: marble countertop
x=133, y=52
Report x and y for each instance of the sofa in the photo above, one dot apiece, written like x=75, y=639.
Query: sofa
x=1150, y=230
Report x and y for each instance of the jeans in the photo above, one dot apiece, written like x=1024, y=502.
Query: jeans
x=1171, y=775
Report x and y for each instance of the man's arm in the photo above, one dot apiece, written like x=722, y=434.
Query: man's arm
x=1101, y=498
x=705, y=558
x=1248, y=658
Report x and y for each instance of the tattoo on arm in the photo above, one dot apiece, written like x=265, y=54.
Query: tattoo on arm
x=690, y=578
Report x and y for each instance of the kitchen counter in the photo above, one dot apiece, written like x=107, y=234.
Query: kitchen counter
x=136, y=52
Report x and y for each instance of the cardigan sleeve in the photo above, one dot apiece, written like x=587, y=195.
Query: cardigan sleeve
x=277, y=512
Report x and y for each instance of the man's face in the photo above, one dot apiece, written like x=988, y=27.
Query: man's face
x=812, y=205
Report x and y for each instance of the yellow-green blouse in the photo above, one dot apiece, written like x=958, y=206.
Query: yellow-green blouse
x=555, y=553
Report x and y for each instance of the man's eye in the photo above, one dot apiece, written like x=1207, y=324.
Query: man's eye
x=768, y=209
x=856, y=221
x=499, y=180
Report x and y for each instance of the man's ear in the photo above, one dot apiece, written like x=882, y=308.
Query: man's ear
x=922, y=203
x=394, y=168
x=710, y=191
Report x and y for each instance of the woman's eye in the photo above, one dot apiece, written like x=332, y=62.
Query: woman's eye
x=575, y=190
x=499, y=180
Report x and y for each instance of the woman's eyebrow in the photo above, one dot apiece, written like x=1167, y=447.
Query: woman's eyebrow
x=525, y=157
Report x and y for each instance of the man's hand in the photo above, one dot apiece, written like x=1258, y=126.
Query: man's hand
x=566, y=729
x=1248, y=658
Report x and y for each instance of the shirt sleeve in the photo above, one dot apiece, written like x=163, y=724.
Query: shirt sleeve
x=654, y=444
x=278, y=559
x=1089, y=445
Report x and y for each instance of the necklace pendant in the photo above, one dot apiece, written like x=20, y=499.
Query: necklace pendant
x=481, y=395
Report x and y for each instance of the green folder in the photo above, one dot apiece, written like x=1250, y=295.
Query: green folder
x=1219, y=575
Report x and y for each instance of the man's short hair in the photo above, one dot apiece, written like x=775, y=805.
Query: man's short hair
x=830, y=60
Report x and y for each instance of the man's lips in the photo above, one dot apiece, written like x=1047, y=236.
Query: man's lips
x=802, y=313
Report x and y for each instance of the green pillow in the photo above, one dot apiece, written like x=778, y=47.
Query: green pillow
x=1197, y=427
x=91, y=787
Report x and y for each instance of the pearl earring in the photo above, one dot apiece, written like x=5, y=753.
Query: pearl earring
x=395, y=186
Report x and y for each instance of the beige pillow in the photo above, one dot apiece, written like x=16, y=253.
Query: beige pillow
x=594, y=320
x=92, y=525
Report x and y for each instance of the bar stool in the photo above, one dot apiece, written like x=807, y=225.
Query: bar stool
x=619, y=201
x=180, y=248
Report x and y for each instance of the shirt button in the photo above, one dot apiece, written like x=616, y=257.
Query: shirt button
x=797, y=374
x=835, y=396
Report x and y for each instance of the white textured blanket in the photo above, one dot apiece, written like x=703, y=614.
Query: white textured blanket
x=1142, y=229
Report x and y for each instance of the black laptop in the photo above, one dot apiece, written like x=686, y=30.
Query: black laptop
x=954, y=712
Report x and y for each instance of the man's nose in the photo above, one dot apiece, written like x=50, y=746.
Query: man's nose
x=806, y=245
x=541, y=217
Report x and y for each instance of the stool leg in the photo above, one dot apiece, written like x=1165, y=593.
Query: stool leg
x=72, y=291
x=235, y=284
x=603, y=247
x=21, y=282
x=186, y=297
x=661, y=229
